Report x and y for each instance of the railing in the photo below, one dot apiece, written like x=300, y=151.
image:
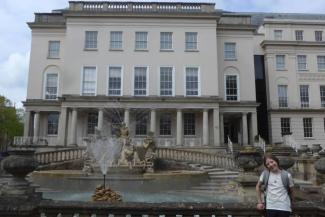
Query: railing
x=142, y=7
x=38, y=141
x=222, y=161
x=62, y=155
x=92, y=209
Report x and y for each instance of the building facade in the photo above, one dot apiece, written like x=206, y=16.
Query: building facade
x=184, y=71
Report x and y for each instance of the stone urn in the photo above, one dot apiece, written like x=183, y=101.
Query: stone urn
x=315, y=148
x=19, y=163
x=303, y=149
x=320, y=165
x=249, y=158
x=285, y=154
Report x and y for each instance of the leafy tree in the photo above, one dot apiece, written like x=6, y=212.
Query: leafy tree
x=11, y=123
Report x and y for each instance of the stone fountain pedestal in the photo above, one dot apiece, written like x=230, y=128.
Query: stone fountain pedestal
x=249, y=158
x=19, y=163
x=320, y=168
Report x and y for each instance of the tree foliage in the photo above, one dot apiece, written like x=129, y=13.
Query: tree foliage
x=11, y=121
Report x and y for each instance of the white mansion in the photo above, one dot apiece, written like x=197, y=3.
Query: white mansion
x=193, y=75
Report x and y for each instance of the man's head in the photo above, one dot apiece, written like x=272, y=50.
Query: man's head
x=271, y=162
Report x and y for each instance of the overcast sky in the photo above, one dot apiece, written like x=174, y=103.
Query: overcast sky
x=15, y=37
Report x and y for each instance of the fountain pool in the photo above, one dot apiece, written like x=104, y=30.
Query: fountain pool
x=175, y=187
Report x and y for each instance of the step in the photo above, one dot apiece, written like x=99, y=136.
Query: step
x=223, y=177
x=224, y=173
x=208, y=188
x=195, y=165
x=201, y=192
x=215, y=170
x=214, y=183
x=206, y=167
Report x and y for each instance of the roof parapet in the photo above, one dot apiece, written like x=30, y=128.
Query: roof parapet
x=142, y=7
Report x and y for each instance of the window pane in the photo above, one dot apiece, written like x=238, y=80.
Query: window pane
x=92, y=122
x=302, y=62
x=192, y=81
x=318, y=35
x=231, y=88
x=191, y=40
x=166, y=81
x=114, y=81
x=165, y=124
x=285, y=126
x=280, y=62
x=230, y=51
x=140, y=81
x=189, y=124
x=89, y=81
x=304, y=96
x=321, y=62
x=308, y=127
x=166, y=40
x=278, y=34
x=116, y=122
x=51, y=88
x=54, y=49
x=141, y=40
x=299, y=35
x=322, y=95
x=91, y=40
x=52, y=124
x=283, y=96
x=141, y=123
x=116, y=40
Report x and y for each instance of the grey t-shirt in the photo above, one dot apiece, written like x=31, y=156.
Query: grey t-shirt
x=277, y=196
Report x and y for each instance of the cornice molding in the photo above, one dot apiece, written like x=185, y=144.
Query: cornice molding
x=266, y=43
x=320, y=110
x=241, y=27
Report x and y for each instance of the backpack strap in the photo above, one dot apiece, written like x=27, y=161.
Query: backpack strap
x=266, y=176
x=285, y=180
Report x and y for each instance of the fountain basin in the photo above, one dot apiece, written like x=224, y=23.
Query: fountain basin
x=166, y=186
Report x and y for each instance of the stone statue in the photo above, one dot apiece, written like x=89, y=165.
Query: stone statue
x=150, y=148
x=127, y=154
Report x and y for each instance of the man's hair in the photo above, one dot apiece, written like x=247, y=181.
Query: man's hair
x=271, y=156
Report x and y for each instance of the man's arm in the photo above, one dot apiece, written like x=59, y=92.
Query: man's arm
x=260, y=204
x=291, y=194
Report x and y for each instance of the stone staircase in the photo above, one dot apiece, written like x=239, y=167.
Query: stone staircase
x=219, y=181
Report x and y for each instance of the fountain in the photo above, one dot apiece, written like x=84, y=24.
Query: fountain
x=118, y=154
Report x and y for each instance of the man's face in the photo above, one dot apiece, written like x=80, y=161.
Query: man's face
x=272, y=165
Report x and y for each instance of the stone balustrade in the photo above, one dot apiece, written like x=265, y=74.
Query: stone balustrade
x=218, y=160
x=142, y=7
x=35, y=141
x=57, y=156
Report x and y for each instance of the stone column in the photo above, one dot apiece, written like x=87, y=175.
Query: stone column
x=253, y=127
x=244, y=132
x=222, y=136
x=127, y=117
x=153, y=121
x=74, y=127
x=27, y=123
x=205, y=127
x=62, y=127
x=179, y=128
x=100, y=119
x=216, y=128
x=36, y=126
